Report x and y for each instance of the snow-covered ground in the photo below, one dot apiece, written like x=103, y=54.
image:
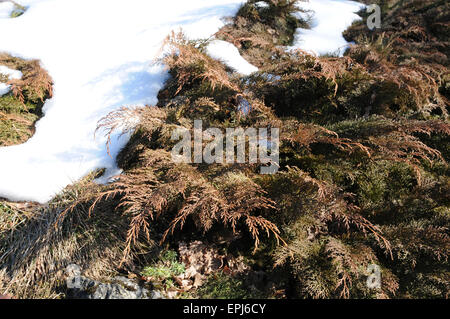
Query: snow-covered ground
x=328, y=19
x=99, y=54
x=5, y=9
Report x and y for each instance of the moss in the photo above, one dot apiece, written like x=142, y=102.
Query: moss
x=222, y=286
x=18, y=120
x=256, y=30
x=17, y=12
x=20, y=109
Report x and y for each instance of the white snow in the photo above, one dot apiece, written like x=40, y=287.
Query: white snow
x=4, y=89
x=229, y=54
x=261, y=4
x=329, y=19
x=10, y=74
x=99, y=54
x=5, y=9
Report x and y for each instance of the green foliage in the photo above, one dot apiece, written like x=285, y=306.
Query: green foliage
x=277, y=16
x=20, y=109
x=363, y=171
x=17, y=120
x=408, y=54
x=222, y=286
x=256, y=30
x=165, y=268
x=18, y=10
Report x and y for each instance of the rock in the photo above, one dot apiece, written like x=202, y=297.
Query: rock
x=73, y=270
x=80, y=287
x=155, y=294
x=172, y=294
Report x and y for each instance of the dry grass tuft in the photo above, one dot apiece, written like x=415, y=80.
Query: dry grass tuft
x=38, y=246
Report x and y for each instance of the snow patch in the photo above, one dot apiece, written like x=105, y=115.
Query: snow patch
x=4, y=89
x=11, y=75
x=229, y=54
x=6, y=8
x=261, y=4
x=329, y=19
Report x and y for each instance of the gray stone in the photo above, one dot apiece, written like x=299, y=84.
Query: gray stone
x=80, y=287
x=155, y=294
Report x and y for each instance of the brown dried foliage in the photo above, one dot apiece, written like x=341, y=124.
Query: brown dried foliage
x=190, y=64
x=35, y=85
